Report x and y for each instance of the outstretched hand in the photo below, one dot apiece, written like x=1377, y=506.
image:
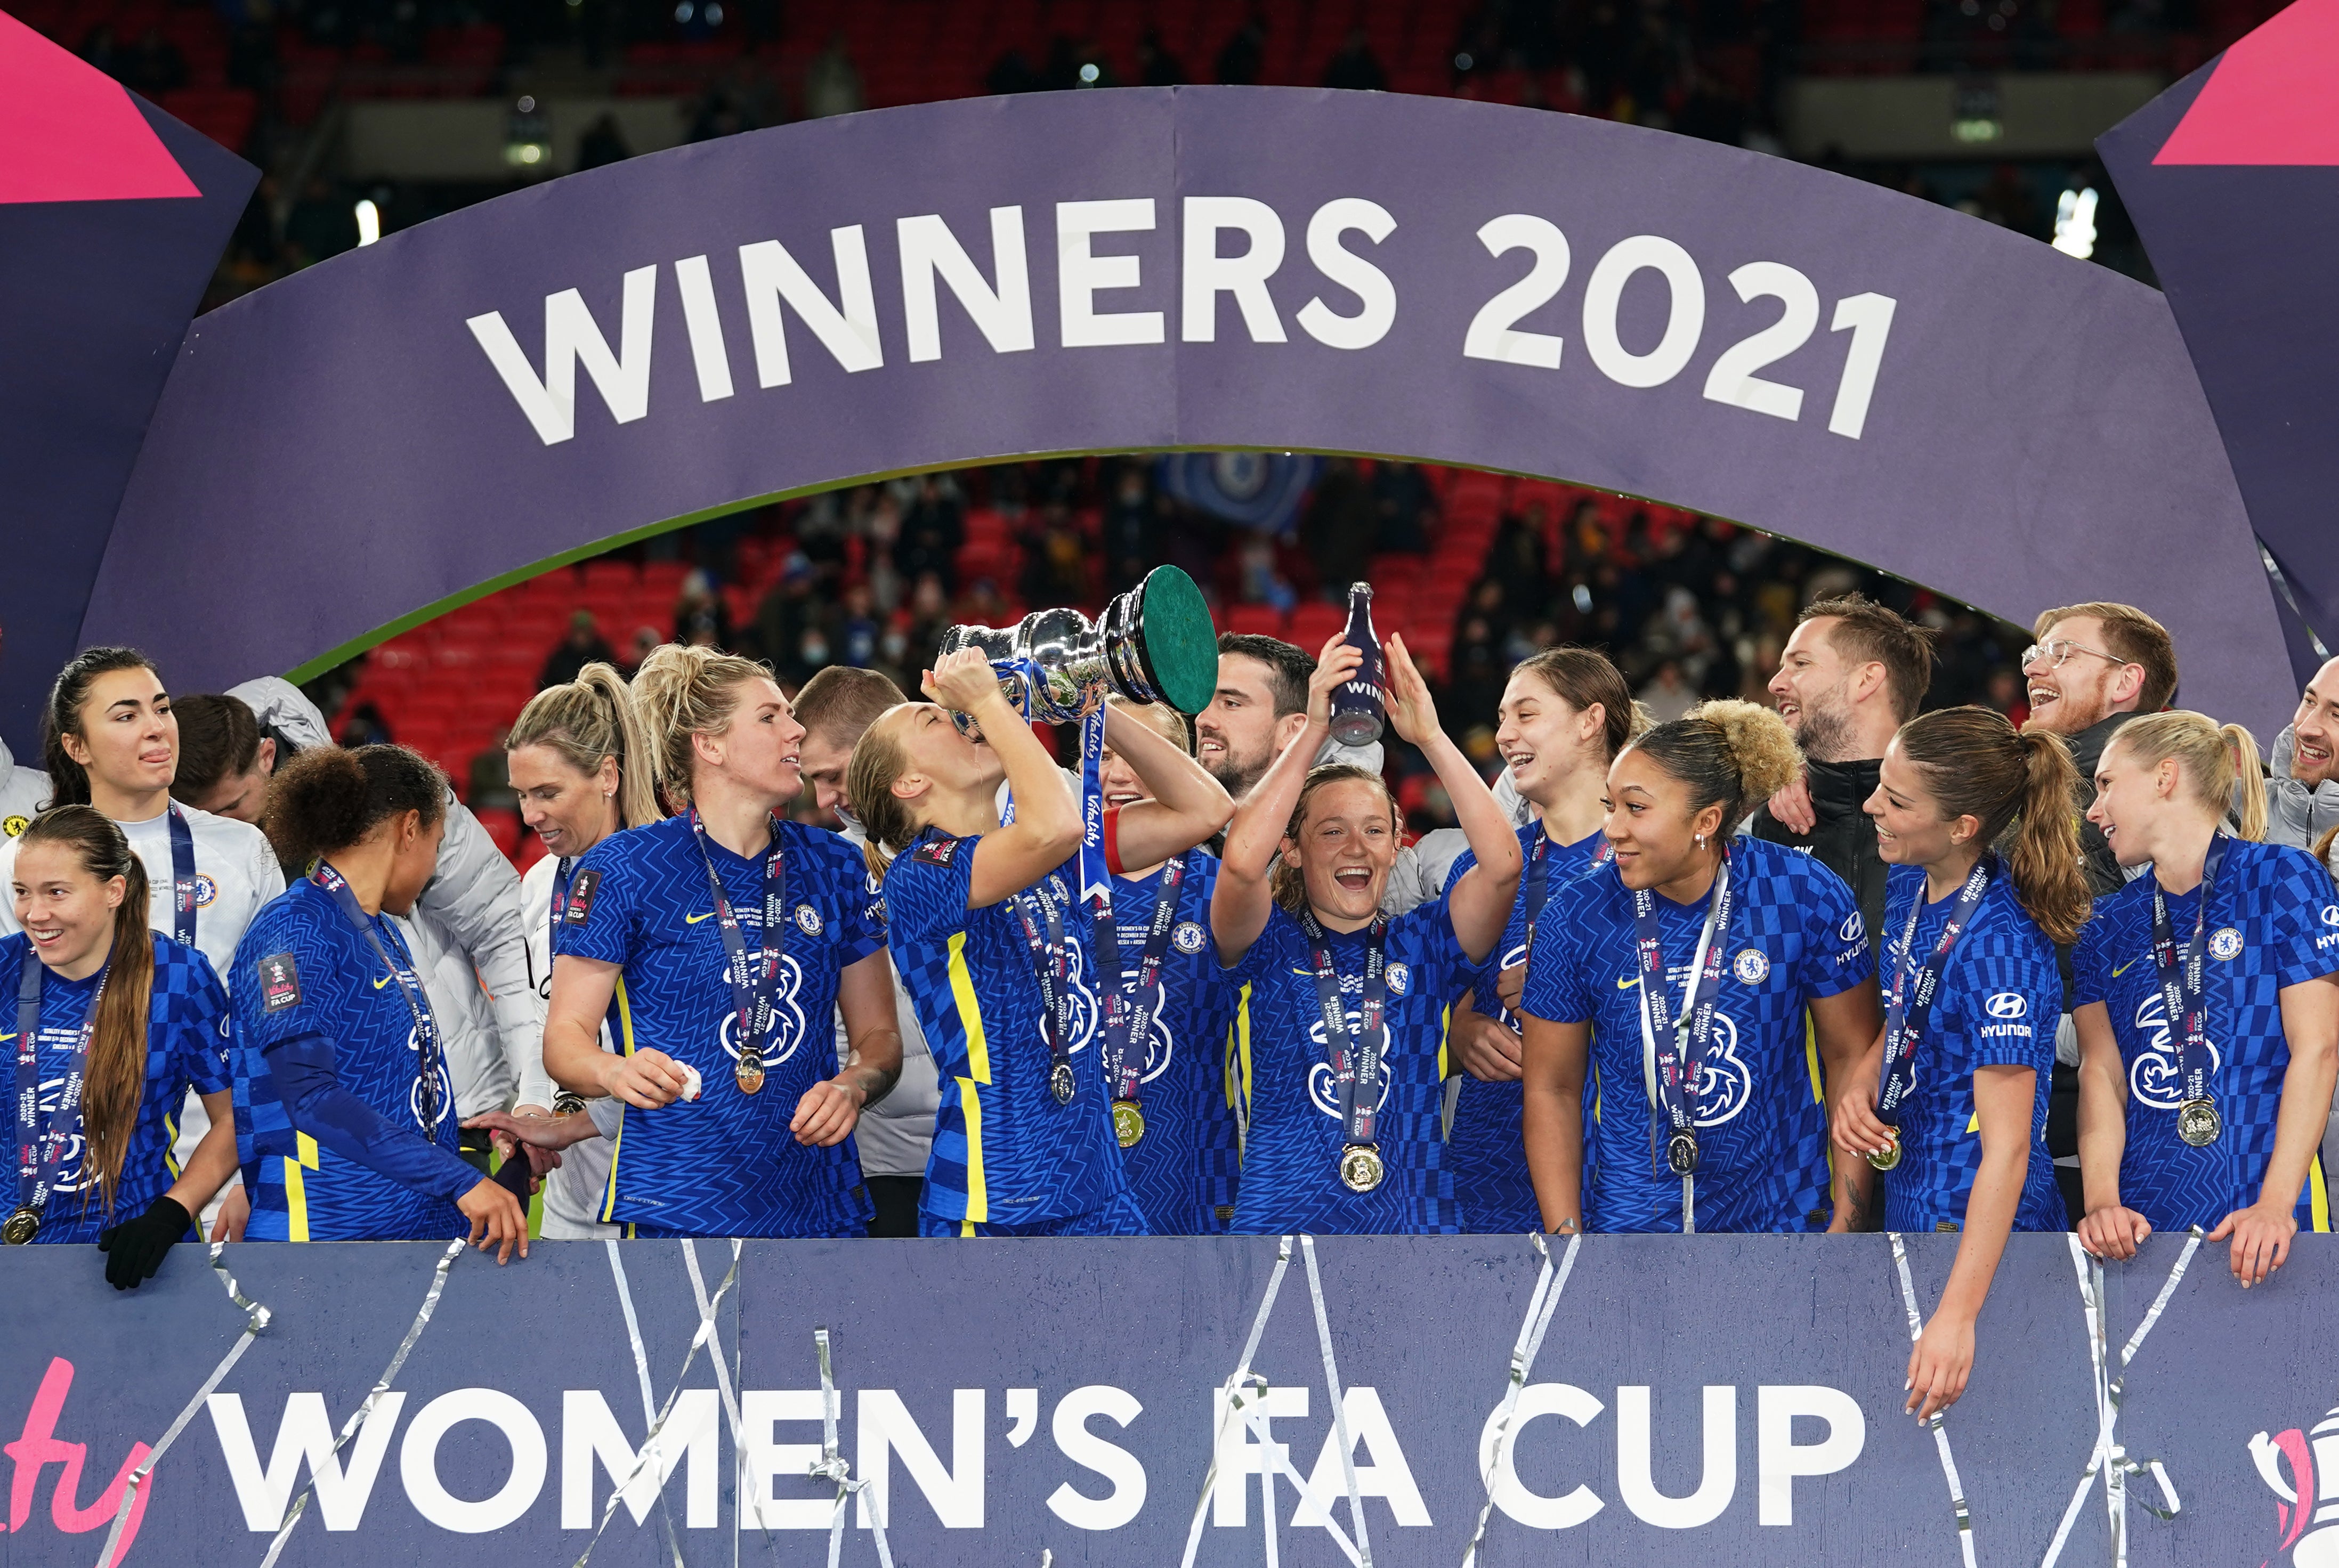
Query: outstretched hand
x=1338, y=662
x=960, y=679
x=1411, y=711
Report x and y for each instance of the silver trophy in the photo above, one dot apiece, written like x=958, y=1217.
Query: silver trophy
x=1154, y=644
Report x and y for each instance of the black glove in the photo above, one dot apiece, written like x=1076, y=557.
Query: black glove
x=135, y=1248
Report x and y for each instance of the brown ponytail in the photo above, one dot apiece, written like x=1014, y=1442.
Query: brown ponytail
x=116, y=1078
x=2019, y=788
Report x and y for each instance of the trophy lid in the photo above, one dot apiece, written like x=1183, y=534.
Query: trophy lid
x=1181, y=644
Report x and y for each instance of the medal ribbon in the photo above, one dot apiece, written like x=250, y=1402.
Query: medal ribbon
x=1910, y=1007
x=1356, y=1059
x=409, y=986
x=1129, y=1007
x=752, y=1000
x=38, y=1155
x=1676, y=1046
x=182, y=877
x=2182, y=995
x=1052, y=962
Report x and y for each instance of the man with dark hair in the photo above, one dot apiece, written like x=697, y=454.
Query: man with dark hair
x=2094, y=668
x=1852, y=674
x=896, y=1134
x=1261, y=702
x=2303, y=796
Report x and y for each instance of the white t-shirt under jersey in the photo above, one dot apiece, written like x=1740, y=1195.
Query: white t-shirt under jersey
x=235, y=873
x=572, y=1194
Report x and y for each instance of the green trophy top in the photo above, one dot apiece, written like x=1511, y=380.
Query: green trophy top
x=1181, y=644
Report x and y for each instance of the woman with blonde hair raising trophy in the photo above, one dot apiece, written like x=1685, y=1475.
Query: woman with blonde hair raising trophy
x=2208, y=1022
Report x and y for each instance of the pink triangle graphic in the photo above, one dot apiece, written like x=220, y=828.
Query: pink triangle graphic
x=68, y=133
x=2273, y=99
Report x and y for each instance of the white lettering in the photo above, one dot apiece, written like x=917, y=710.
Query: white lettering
x=1494, y=333
x=418, y=1461
x=1080, y=274
x=1536, y=1511
x=708, y=352
x=847, y=328
x=1117, y=1464
x=1635, y=1461
x=1385, y=1474
x=304, y=1435
x=570, y=334
x=760, y=1410
x=589, y=1432
x=1004, y=315
x=1351, y=271
x=1207, y=274
x=1240, y=1454
x=1685, y=319
x=1781, y=1458
x=886, y=1428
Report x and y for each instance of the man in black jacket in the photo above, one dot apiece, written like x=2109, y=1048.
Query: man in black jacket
x=1852, y=674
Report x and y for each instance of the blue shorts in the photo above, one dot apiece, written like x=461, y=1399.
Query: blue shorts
x=1121, y=1216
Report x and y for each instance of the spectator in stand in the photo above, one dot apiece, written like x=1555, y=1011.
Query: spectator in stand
x=701, y=618
x=933, y=526
x=603, y=144
x=1130, y=530
x=1156, y=66
x=1055, y=564
x=1244, y=54
x=1668, y=695
x=857, y=630
x=1355, y=68
x=583, y=645
x=1402, y=502
x=832, y=85
x=1338, y=531
x=102, y=49
x=2003, y=693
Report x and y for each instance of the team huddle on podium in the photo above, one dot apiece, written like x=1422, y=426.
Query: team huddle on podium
x=1752, y=970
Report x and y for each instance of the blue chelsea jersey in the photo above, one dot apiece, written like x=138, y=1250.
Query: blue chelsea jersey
x=186, y=1048
x=1487, y=1145
x=1795, y=936
x=2274, y=922
x=1290, y=1175
x=1005, y=1152
x=1185, y=1168
x=330, y=1119
x=2000, y=998
x=726, y=1163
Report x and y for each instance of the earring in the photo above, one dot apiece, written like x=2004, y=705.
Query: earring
x=1701, y=840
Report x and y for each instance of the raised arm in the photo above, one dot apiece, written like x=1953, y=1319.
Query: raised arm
x=1047, y=825
x=1240, y=904
x=1187, y=806
x=1480, y=903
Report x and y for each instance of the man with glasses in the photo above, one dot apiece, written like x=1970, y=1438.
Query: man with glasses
x=2094, y=668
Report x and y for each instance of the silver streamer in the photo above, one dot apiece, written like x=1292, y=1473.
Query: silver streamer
x=1364, y=1552
x=2108, y=1455
x=649, y=1450
x=1241, y=1389
x=255, y=1318
x=642, y=1372
x=1549, y=1283
x=300, y=1503
x=1935, y=1422
x=832, y=1467
x=723, y=1383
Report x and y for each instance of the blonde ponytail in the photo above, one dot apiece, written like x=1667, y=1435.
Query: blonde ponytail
x=681, y=692
x=590, y=719
x=2210, y=756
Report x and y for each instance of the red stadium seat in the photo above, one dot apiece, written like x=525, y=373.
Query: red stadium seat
x=1254, y=620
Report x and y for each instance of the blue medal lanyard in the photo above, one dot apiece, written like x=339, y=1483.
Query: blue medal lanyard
x=2185, y=995
x=1041, y=916
x=1128, y=1006
x=39, y=1153
x=1674, y=1047
x=1910, y=1007
x=184, y=887
x=1355, y=1057
x=753, y=1000
x=428, y=1051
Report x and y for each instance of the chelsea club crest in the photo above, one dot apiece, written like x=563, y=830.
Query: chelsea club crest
x=1400, y=979
x=807, y=919
x=1751, y=966
x=2225, y=944
x=1188, y=937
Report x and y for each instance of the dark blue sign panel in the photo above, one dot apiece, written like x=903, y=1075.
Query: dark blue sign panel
x=1723, y=1400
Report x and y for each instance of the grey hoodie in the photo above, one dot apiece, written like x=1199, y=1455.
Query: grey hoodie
x=2297, y=813
x=475, y=962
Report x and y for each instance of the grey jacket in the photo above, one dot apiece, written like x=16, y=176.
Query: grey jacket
x=896, y=1134
x=478, y=969
x=2296, y=814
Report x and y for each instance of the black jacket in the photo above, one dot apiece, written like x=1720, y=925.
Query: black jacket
x=1843, y=840
x=2097, y=862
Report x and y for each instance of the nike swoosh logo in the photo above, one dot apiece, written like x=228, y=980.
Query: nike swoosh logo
x=1627, y=981
x=694, y=918
x=385, y=980
x=2124, y=969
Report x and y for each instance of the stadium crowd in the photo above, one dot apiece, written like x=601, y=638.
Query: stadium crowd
x=1695, y=949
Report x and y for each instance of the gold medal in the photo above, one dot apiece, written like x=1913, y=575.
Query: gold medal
x=1360, y=1166
x=21, y=1227
x=2197, y=1122
x=1886, y=1159
x=750, y=1070
x=1127, y=1122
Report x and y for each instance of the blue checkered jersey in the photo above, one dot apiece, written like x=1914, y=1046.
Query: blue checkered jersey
x=1004, y=1151
x=1795, y=936
x=1487, y=1145
x=2274, y=920
x=186, y=1048
x=1291, y=1168
x=1185, y=1166
x=724, y=1164
x=330, y=1113
x=2000, y=998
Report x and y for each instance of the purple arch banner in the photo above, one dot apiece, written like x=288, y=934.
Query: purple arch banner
x=527, y=381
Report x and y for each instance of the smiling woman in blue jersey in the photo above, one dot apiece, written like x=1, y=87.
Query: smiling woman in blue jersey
x=1178, y=1134
x=1565, y=715
x=723, y=937
x=996, y=951
x=2208, y=1022
x=1950, y=1102
x=113, y=1024
x=1348, y=1006
x=344, y=1108
x=1678, y=974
